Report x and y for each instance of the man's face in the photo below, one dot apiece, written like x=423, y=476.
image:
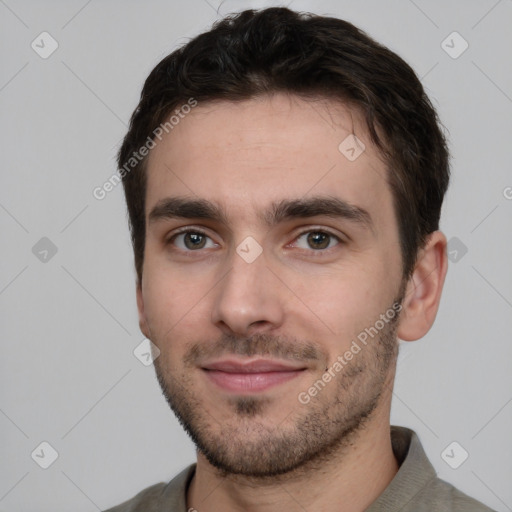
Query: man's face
x=255, y=294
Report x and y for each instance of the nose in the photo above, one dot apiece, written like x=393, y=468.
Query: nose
x=249, y=298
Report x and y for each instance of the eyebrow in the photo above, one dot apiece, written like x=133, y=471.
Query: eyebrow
x=286, y=209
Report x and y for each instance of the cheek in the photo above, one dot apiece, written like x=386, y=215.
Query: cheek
x=173, y=300
x=344, y=301
x=162, y=298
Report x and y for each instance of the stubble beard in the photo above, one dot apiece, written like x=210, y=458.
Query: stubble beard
x=309, y=435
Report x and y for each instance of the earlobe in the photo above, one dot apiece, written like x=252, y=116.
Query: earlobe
x=143, y=325
x=423, y=292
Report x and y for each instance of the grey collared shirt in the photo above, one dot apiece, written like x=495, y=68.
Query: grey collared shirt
x=415, y=488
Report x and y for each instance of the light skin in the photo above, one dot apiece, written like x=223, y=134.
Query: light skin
x=320, y=280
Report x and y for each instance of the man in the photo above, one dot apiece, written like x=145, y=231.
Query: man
x=284, y=176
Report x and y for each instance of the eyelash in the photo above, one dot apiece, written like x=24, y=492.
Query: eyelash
x=316, y=253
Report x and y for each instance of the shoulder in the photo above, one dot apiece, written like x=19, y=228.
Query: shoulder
x=148, y=500
x=162, y=496
x=441, y=496
x=416, y=487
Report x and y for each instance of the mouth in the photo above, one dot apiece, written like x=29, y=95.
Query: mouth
x=246, y=377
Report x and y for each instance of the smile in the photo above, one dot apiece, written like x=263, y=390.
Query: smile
x=250, y=377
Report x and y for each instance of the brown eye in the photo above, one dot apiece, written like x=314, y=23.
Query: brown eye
x=191, y=241
x=194, y=240
x=318, y=240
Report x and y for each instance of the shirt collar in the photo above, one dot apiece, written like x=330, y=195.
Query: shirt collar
x=414, y=474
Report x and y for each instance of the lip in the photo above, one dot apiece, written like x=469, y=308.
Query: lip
x=245, y=377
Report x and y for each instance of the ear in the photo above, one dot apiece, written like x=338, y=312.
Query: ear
x=423, y=291
x=143, y=325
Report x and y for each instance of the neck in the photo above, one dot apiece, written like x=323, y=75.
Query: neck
x=354, y=476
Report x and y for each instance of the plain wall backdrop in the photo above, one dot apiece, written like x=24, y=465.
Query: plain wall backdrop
x=69, y=328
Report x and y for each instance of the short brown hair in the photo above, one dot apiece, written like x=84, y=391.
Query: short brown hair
x=258, y=52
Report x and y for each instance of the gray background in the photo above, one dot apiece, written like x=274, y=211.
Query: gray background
x=69, y=325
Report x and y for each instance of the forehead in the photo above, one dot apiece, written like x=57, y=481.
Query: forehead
x=246, y=155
